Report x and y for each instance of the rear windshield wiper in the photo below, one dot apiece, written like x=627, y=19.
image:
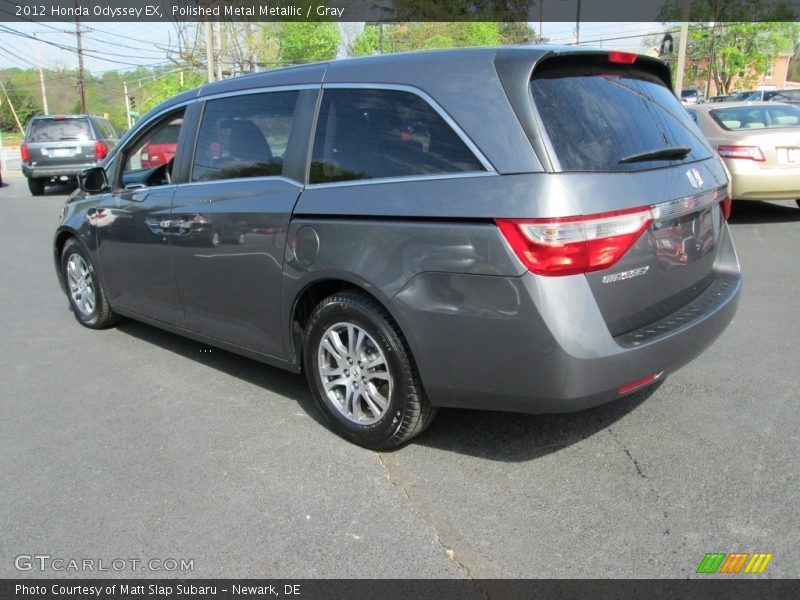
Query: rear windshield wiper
x=676, y=152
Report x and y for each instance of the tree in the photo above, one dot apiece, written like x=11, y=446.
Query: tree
x=302, y=42
x=734, y=39
x=420, y=36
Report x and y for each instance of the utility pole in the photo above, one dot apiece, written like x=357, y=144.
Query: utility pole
x=578, y=24
x=218, y=47
x=41, y=75
x=80, y=56
x=127, y=104
x=682, y=47
x=209, y=51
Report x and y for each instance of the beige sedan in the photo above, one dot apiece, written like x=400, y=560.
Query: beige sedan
x=760, y=144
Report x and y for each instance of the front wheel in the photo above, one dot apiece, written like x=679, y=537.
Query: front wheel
x=86, y=296
x=362, y=374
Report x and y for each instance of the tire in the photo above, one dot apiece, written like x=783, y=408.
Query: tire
x=378, y=406
x=36, y=186
x=87, y=299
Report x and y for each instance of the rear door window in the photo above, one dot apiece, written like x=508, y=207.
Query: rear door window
x=597, y=117
x=373, y=133
x=57, y=130
x=244, y=136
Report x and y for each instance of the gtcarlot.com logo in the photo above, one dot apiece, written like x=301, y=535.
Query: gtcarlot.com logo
x=734, y=563
x=45, y=562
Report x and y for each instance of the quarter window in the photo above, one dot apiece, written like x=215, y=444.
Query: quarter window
x=366, y=134
x=244, y=136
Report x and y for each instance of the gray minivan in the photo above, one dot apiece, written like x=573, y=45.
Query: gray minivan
x=532, y=229
x=58, y=147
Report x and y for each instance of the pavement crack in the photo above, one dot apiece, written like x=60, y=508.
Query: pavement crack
x=627, y=452
x=463, y=555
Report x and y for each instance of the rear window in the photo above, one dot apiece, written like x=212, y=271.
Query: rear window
x=56, y=130
x=375, y=133
x=757, y=117
x=596, y=117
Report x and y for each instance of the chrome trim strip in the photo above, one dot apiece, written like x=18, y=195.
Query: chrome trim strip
x=261, y=90
x=407, y=178
x=240, y=179
x=689, y=204
x=431, y=102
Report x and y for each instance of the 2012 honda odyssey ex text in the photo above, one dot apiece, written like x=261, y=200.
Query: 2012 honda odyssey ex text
x=535, y=229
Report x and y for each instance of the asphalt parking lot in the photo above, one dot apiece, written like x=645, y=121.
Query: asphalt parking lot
x=135, y=443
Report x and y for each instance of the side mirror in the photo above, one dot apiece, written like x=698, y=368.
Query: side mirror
x=93, y=181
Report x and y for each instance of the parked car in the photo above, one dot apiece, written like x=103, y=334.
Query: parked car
x=554, y=239
x=760, y=144
x=692, y=96
x=786, y=96
x=721, y=98
x=56, y=148
x=741, y=96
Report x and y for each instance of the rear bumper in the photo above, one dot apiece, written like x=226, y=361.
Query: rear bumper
x=540, y=345
x=47, y=171
x=751, y=183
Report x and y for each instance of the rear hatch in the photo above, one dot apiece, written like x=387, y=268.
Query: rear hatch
x=54, y=141
x=650, y=192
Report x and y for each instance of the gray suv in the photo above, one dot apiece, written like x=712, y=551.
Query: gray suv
x=57, y=148
x=520, y=229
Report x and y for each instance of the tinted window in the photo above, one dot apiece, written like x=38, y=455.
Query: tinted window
x=596, y=119
x=150, y=163
x=757, y=117
x=364, y=134
x=54, y=130
x=244, y=136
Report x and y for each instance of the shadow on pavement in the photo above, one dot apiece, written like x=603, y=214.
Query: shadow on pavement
x=753, y=212
x=511, y=437
x=497, y=436
x=264, y=376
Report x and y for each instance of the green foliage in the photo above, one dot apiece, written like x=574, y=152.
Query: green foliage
x=300, y=42
x=460, y=10
x=741, y=51
x=741, y=35
x=163, y=87
x=418, y=36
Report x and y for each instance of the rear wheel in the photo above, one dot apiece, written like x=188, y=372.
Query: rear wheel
x=86, y=296
x=36, y=186
x=362, y=374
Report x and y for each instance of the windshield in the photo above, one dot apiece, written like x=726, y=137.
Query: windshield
x=596, y=120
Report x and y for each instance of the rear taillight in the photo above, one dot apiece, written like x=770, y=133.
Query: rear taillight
x=572, y=245
x=725, y=205
x=747, y=152
x=24, y=153
x=100, y=150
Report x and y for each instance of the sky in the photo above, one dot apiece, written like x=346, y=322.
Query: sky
x=122, y=46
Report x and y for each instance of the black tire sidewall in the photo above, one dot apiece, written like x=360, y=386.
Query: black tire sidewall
x=339, y=310
x=92, y=320
x=36, y=186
